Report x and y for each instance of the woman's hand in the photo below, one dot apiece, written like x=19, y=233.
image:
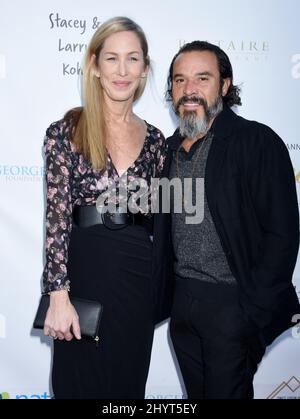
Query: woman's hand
x=61, y=317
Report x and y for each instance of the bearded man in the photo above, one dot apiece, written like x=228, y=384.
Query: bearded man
x=234, y=293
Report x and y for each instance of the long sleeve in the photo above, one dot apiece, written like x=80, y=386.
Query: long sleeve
x=58, y=170
x=161, y=151
x=274, y=194
x=158, y=148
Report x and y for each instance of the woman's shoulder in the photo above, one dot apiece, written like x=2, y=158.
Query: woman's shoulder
x=56, y=137
x=60, y=133
x=155, y=132
x=56, y=128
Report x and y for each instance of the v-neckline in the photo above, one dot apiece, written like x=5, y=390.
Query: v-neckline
x=137, y=158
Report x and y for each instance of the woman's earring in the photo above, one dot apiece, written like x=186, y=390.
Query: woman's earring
x=143, y=75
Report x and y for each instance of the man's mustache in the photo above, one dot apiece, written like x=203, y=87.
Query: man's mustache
x=190, y=99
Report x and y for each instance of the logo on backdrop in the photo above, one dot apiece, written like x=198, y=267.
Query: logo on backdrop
x=2, y=326
x=43, y=396
x=296, y=66
x=287, y=390
x=21, y=173
x=293, y=146
x=165, y=396
x=296, y=328
x=66, y=25
x=252, y=51
x=297, y=175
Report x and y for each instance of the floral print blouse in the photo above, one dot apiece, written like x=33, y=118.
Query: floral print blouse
x=71, y=180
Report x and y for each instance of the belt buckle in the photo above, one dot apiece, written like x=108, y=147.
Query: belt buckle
x=109, y=222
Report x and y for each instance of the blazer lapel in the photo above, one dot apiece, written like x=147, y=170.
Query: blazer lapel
x=167, y=164
x=213, y=170
x=221, y=129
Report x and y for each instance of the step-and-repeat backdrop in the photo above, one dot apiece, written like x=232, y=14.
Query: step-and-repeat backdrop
x=42, y=44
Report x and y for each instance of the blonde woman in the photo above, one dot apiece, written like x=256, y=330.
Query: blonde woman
x=104, y=258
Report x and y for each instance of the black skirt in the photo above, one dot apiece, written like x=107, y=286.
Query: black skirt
x=113, y=267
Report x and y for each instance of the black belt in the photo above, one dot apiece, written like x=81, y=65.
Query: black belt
x=88, y=215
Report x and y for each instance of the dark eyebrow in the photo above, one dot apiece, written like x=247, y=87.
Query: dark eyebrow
x=203, y=73
x=177, y=75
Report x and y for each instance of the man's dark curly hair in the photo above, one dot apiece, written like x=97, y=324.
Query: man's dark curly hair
x=233, y=95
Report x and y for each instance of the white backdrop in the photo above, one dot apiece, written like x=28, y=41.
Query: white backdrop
x=41, y=49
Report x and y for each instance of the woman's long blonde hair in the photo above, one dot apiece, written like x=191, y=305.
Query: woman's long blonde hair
x=90, y=132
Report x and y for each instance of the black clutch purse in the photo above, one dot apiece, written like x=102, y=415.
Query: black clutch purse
x=89, y=313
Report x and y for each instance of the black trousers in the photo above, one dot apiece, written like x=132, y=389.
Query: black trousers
x=113, y=267
x=217, y=350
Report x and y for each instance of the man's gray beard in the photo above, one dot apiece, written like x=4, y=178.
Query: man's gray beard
x=190, y=125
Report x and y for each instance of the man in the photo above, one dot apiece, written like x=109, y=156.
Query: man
x=234, y=292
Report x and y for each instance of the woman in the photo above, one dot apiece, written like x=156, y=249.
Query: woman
x=100, y=258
